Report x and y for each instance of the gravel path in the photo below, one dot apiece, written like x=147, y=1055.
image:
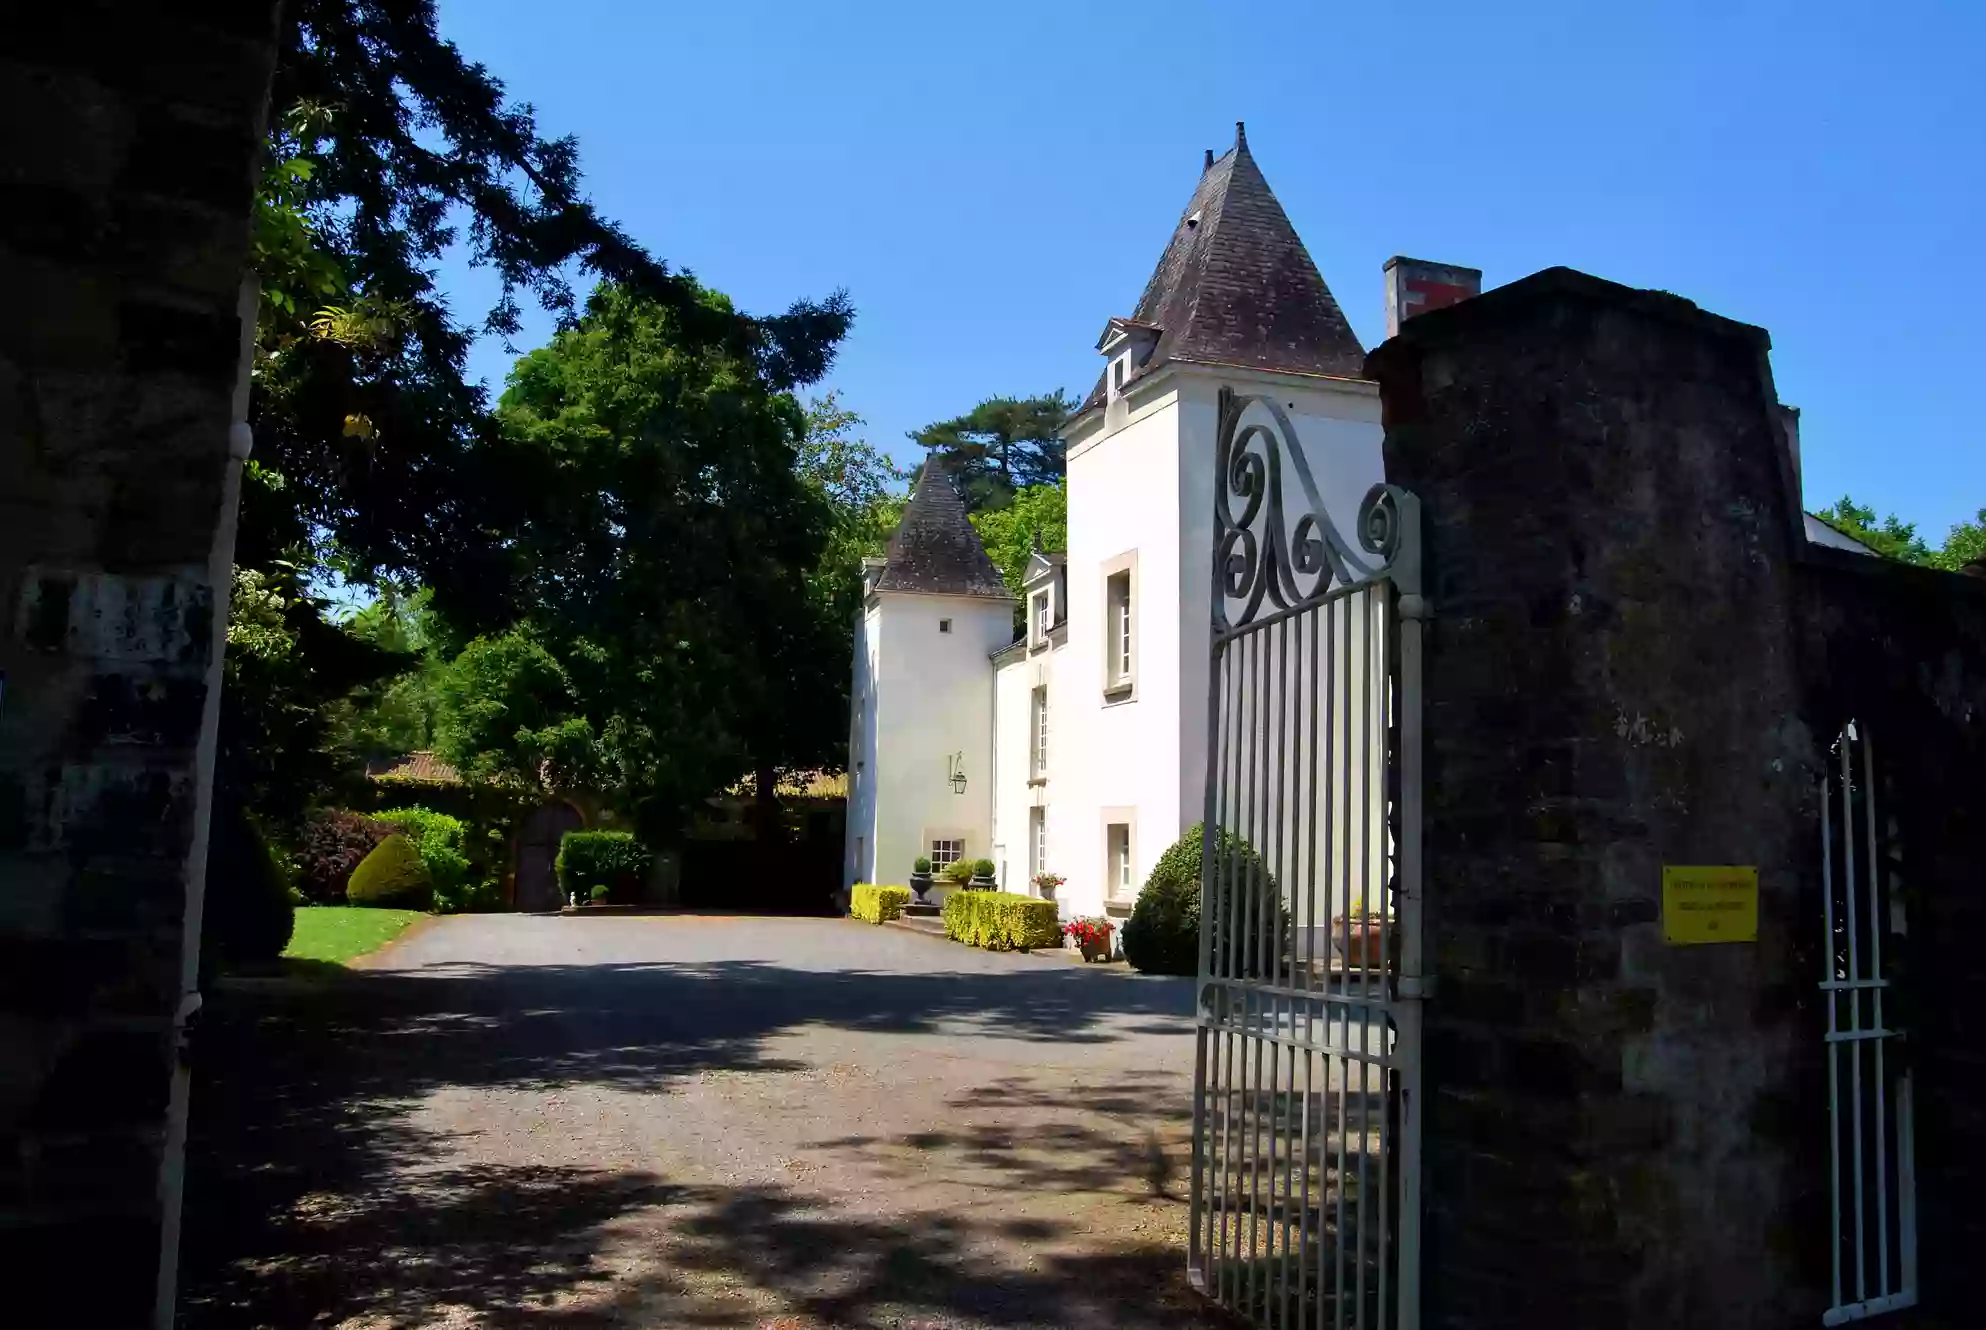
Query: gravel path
x=692, y=1121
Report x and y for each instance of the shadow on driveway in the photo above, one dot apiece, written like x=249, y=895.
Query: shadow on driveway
x=315, y=1199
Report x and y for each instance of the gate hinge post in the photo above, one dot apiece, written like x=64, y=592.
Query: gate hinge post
x=1415, y=987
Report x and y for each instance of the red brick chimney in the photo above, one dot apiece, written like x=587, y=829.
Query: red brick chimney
x=1415, y=286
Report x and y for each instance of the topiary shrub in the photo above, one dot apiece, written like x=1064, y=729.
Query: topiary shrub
x=984, y=868
x=611, y=859
x=1002, y=920
x=1162, y=936
x=444, y=845
x=331, y=845
x=250, y=908
x=920, y=865
x=877, y=905
x=392, y=877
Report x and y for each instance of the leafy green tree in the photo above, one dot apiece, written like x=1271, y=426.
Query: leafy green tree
x=1000, y=446
x=1009, y=533
x=1891, y=536
x=510, y=713
x=672, y=569
x=391, y=149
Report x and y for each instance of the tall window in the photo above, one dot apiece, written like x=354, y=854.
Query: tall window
x=1117, y=854
x=1117, y=626
x=1037, y=841
x=1038, y=617
x=944, y=852
x=1038, y=732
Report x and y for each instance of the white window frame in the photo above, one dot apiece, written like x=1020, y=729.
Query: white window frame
x=1120, y=627
x=1117, y=861
x=944, y=851
x=1041, y=606
x=1037, y=841
x=1038, y=735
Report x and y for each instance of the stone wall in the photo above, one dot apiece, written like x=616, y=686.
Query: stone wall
x=1636, y=661
x=1611, y=1136
x=131, y=136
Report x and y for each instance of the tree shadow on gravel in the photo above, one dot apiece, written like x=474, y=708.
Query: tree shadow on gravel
x=313, y=1199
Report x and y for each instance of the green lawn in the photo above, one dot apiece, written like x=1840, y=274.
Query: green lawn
x=337, y=933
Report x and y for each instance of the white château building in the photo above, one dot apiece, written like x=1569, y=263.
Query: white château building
x=1080, y=749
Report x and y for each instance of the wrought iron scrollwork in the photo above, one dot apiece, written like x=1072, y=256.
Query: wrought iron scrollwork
x=1260, y=557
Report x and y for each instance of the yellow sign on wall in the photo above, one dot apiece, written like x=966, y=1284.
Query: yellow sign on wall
x=1709, y=904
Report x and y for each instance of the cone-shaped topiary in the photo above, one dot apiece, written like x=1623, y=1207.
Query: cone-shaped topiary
x=392, y=876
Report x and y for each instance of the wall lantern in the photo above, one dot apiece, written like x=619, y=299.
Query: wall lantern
x=955, y=765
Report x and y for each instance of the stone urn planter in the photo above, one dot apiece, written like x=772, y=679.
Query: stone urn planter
x=921, y=884
x=1364, y=941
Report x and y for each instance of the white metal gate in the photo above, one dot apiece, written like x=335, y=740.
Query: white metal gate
x=1872, y=1147
x=1306, y=1111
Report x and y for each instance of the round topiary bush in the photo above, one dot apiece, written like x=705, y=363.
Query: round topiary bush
x=333, y=842
x=392, y=876
x=1162, y=936
x=443, y=842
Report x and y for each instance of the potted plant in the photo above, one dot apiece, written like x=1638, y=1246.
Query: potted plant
x=1045, y=883
x=920, y=876
x=958, y=873
x=1363, y=938
x=982, y=875
x=1091, y=934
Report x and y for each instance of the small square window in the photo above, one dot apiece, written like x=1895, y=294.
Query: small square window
x=945, y=853
x=944, y=625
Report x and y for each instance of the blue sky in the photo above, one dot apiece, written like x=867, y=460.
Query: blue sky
x=991, y=182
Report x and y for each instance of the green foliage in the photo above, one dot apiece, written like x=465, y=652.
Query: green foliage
x=1009, y=533
x=920, y=865
x=1898, y=539
x=331, y=845
x=393, y=876
x=251, y=896
x=1001, y=920
x=959, y=871
x=444, y=845
x=984, y=868
x=508, y=712
x=397, y=714
x=591, y=860
x=877, y=905
x=1162, y=935
x=673, y=562
x=1003, y=445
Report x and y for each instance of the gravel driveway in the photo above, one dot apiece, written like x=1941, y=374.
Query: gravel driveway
x=692, y=1121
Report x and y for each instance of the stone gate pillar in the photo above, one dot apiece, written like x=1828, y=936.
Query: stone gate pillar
x=1620, y=1132
x=128, y=165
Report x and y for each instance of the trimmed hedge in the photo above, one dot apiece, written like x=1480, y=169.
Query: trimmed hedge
x=877, y=905
x=444, y=845
x=1002, y=920
x=392, y=876
x=611, y=859
x=1162, y=936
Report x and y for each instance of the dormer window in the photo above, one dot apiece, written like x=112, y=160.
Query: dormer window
x=1117, y=374
x=1038, y=621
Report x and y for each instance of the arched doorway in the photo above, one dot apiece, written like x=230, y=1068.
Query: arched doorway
x=538, y=851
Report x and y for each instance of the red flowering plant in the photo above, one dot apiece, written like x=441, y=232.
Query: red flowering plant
x=1089, y=931
x=1046, y=883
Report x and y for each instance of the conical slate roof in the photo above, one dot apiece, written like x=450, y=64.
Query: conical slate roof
x=935, y=551
x=1236, y=286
